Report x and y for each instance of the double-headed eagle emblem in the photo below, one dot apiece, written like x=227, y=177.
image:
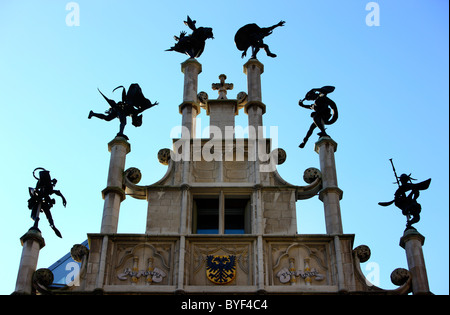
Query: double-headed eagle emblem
x=221, y=269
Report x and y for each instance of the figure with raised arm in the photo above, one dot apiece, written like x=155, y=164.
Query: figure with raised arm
x=192, y=45
x=133, y=104
x=324, y=111
x=251, y=35
x=407, y=202
x=40, y=200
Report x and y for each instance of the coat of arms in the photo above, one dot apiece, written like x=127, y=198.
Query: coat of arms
x=221, y=269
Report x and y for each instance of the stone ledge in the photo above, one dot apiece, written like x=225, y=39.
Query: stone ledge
x=255, y=103
x=193, y=104
x=113, y=189
x=331, y=190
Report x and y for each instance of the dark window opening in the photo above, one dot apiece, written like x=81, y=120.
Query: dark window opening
x=206, y=216
x=211, y=216
x=236, y=221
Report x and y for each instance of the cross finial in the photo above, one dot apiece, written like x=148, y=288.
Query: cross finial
x=222, y=87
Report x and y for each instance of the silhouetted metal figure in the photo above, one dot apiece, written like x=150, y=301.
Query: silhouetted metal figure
x=252, y=35
x=407, y=203
x=40, y=200
x=133, y=104
x=324, y=111
x=194, y=44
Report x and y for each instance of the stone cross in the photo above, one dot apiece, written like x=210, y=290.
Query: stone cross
x=222, y=87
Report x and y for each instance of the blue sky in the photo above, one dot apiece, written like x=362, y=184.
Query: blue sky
x=391, y=91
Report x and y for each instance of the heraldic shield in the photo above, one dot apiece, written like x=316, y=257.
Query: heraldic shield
x=221, y=269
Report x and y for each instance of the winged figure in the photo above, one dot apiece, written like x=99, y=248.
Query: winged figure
x=192, y=45
x=408, y=202
x=133, y=104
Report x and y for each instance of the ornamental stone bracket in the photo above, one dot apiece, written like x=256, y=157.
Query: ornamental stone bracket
x=400, y=276
x=131, y=178
x=312, y=176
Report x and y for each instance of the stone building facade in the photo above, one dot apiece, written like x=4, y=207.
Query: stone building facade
x=222, y=220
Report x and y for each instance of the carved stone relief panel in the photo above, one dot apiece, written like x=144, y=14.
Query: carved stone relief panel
x=220, y=263
x=142, y=263
x=299, y=263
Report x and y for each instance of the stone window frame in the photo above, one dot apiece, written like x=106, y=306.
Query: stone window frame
x=222, y=197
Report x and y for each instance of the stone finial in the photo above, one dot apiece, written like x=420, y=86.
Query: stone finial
x=222, y=87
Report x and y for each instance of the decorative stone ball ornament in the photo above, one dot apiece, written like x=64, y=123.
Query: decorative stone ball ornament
x=363, y=253
x=43, y=277
x=311, y=174
x=282, y=156
x=133, y=174
x=78, y=251
x=164, y=156
x=399, y=276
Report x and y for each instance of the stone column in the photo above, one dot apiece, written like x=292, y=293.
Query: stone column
x=330, y=194
x=190, y=107
x=32, y=243
x=254, y=108
x=114, y=193
x=412, y=241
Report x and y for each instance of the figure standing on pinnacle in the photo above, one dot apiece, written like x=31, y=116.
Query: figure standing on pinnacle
x=251, y=35
x=40, y=200
x=407, y=202
x=192, y=45
x=324, y=111
x=133, y=104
